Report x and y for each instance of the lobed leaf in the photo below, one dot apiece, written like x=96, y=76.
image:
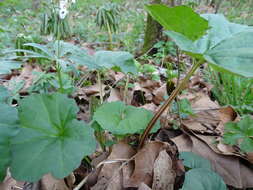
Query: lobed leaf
x=50, y=140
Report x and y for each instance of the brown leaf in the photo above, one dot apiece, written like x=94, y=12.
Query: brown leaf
x=143, y=186
x=48, y=182
x=111, y=177
x=164, y=174
x=159, y=94
x=230, y=168
x=114, y=96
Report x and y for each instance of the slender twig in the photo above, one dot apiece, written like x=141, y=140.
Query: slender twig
x=126, y=89
x=100, y=87
x=166, y=104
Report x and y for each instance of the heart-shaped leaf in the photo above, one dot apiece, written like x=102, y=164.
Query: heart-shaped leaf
x=6, y=65
x=121, y=119
x=4, y=94
x=50, y=140
x=192, y=160
x=203, y=179
x=8, y=129
x=180, y=19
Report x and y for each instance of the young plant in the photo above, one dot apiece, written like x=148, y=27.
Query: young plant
x=214, y=46
x=56, y=21
x=108, y=18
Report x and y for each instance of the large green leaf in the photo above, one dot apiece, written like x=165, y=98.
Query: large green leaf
x=121, y=119
x=109, y=59
x=180, y=19
x=51, y=140
x=220, y=30
x=8, y=129
x=192, y=160
x=234, y=54
x=203, y=179
x=227, y=46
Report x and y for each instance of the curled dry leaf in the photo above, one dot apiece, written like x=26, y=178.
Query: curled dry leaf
x=233, y=171
x=159, y=94
x=145, y=162
x=111, y=176
x=164, y=174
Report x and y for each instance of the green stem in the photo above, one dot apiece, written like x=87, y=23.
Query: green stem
x=100, y=87
x=174, y=94
x=58, y=67
x=126, y=89
x=109, y=34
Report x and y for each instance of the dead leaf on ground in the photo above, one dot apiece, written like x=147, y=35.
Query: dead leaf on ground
x=164, y=174
x=233, y=171
x=145, y=161
x=111, y=177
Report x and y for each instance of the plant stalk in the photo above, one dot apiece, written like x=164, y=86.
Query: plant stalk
x=167, y=103
x=100, y=87
x=126, y=89
x=109, y=34
x=58, y=67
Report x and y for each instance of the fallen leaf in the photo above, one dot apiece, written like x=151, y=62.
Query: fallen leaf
x=111, y=177
x=164, y=174
x=230, y=168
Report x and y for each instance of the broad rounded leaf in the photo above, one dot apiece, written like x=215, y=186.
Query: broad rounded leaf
x=203, y=179
x=180, y=19
x=234, y=54
x=121, y=119
x=109, y=59
x=220, y=29
x=8, y=129
x=192, y=160
x=50, y=140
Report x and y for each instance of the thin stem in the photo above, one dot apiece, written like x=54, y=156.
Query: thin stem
x=126, y=89
x=58, y=67
x=109, y=34
x=100, y=87
x=174, y=94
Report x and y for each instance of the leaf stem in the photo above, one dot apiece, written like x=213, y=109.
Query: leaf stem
x=100, y=87
x=126, y=89
x=167, y=103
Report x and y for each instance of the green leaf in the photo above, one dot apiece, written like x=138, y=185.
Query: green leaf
x=7, y=65
x=8, y=129
x=120, y=59
x=50, y=140
x=121, y=119
x=4, y=94
x=192, y=160
x=240, y=133
x=203, y=179
x=180, y=19
x=234, y=54
x=220, y=30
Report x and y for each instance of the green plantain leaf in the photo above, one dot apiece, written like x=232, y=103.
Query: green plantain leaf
x=121, y=119
x=8, y=129
x=203, y=179
x=240, y=133
x=180, y=19
x=192, y=160
x=50, y=140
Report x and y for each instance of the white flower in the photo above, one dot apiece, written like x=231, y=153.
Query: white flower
x=73, y=1
x=63, y=4
x=63, y=13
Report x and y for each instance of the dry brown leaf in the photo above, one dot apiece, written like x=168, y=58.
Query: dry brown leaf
x=92, y=90
x=233, y=171
x=48, y=182
x=159, y=94
x=111, y=177
x=164, y=174
x=143, y=186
